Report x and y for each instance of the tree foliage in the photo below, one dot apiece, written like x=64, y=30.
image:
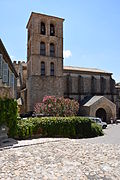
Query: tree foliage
x=57, y=106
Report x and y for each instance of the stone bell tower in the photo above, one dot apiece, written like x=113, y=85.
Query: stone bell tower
x=44, y=58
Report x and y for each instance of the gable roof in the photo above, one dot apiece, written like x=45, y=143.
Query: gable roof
x=7, y=58
x=94, y=99
x=85, y=70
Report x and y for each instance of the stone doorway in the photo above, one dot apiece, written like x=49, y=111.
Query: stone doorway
x=99, y=106
x=101, y=113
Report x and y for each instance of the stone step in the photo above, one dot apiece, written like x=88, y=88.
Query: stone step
x=7, y=142
x=3, y=133
x=3, y=136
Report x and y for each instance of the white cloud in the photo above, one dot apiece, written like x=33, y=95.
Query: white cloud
x=67, y=53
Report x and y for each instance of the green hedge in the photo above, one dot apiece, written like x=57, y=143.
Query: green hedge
x=8, y=115
x=71, y=127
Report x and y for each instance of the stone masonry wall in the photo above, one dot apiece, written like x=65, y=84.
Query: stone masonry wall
x=38, y=87
x=78, y=86
x=6, y=92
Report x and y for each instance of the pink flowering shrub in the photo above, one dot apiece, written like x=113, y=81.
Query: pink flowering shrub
x=57, y=106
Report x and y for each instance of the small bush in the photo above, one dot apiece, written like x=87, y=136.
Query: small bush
x=8, y=115
x=96, y=129
x=57, y=106
x=70, y=127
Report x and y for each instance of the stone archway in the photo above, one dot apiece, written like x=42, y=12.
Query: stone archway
x=101, y=113
x=99, y=106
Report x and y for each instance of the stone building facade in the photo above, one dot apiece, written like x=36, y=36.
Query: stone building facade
x=8, y=74
x=94, y=89
x=21, y=69
x=44, y=58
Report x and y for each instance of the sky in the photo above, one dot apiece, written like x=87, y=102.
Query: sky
x=91, y=30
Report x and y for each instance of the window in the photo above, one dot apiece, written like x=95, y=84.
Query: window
x=42, y=69
x=42, y=49
x=52, y=69
x=5, y=72
x=52, y=30
x=52, y=50
x=43, y=31
x=12, y=80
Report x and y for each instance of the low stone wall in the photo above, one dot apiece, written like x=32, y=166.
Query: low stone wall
x=6, y=92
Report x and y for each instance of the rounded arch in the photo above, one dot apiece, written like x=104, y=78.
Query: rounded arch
x=42, y=48
x=105, y=112
x=52, y=69
x=52, y=49
x=42, y=68
x=42, y=28
x=52, y=29
x=101, y=113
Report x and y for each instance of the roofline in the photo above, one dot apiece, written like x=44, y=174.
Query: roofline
x=117, y=86
x=99, y=97
x=10, y=62
x=35, y=13
x=84, y=71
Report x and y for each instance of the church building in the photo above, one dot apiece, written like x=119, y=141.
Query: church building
x=94, y=89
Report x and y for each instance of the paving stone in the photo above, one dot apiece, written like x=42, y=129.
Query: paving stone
x=62, y=159
x=50, y=159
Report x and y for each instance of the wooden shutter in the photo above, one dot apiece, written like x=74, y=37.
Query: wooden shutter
x=12, y=80
x=5, y=72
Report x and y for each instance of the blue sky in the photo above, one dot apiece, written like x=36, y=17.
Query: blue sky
x=91, y=30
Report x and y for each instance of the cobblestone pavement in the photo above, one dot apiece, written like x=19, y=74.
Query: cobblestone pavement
x=61, y=159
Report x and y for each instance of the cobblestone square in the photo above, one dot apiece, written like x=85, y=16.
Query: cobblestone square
x=63, y=159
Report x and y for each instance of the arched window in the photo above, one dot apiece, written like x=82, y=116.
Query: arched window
x=42, y=69
x=52, y=69
x=43, y=31
x=42, y=49
x=52, y=50
x=52, y=30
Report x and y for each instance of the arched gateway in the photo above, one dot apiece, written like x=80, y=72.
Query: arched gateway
x=101, y=113
x=99, y=106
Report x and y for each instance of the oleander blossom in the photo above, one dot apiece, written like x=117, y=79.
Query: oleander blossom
x=57, y=106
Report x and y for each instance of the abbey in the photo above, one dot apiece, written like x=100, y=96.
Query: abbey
x=94, y=89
